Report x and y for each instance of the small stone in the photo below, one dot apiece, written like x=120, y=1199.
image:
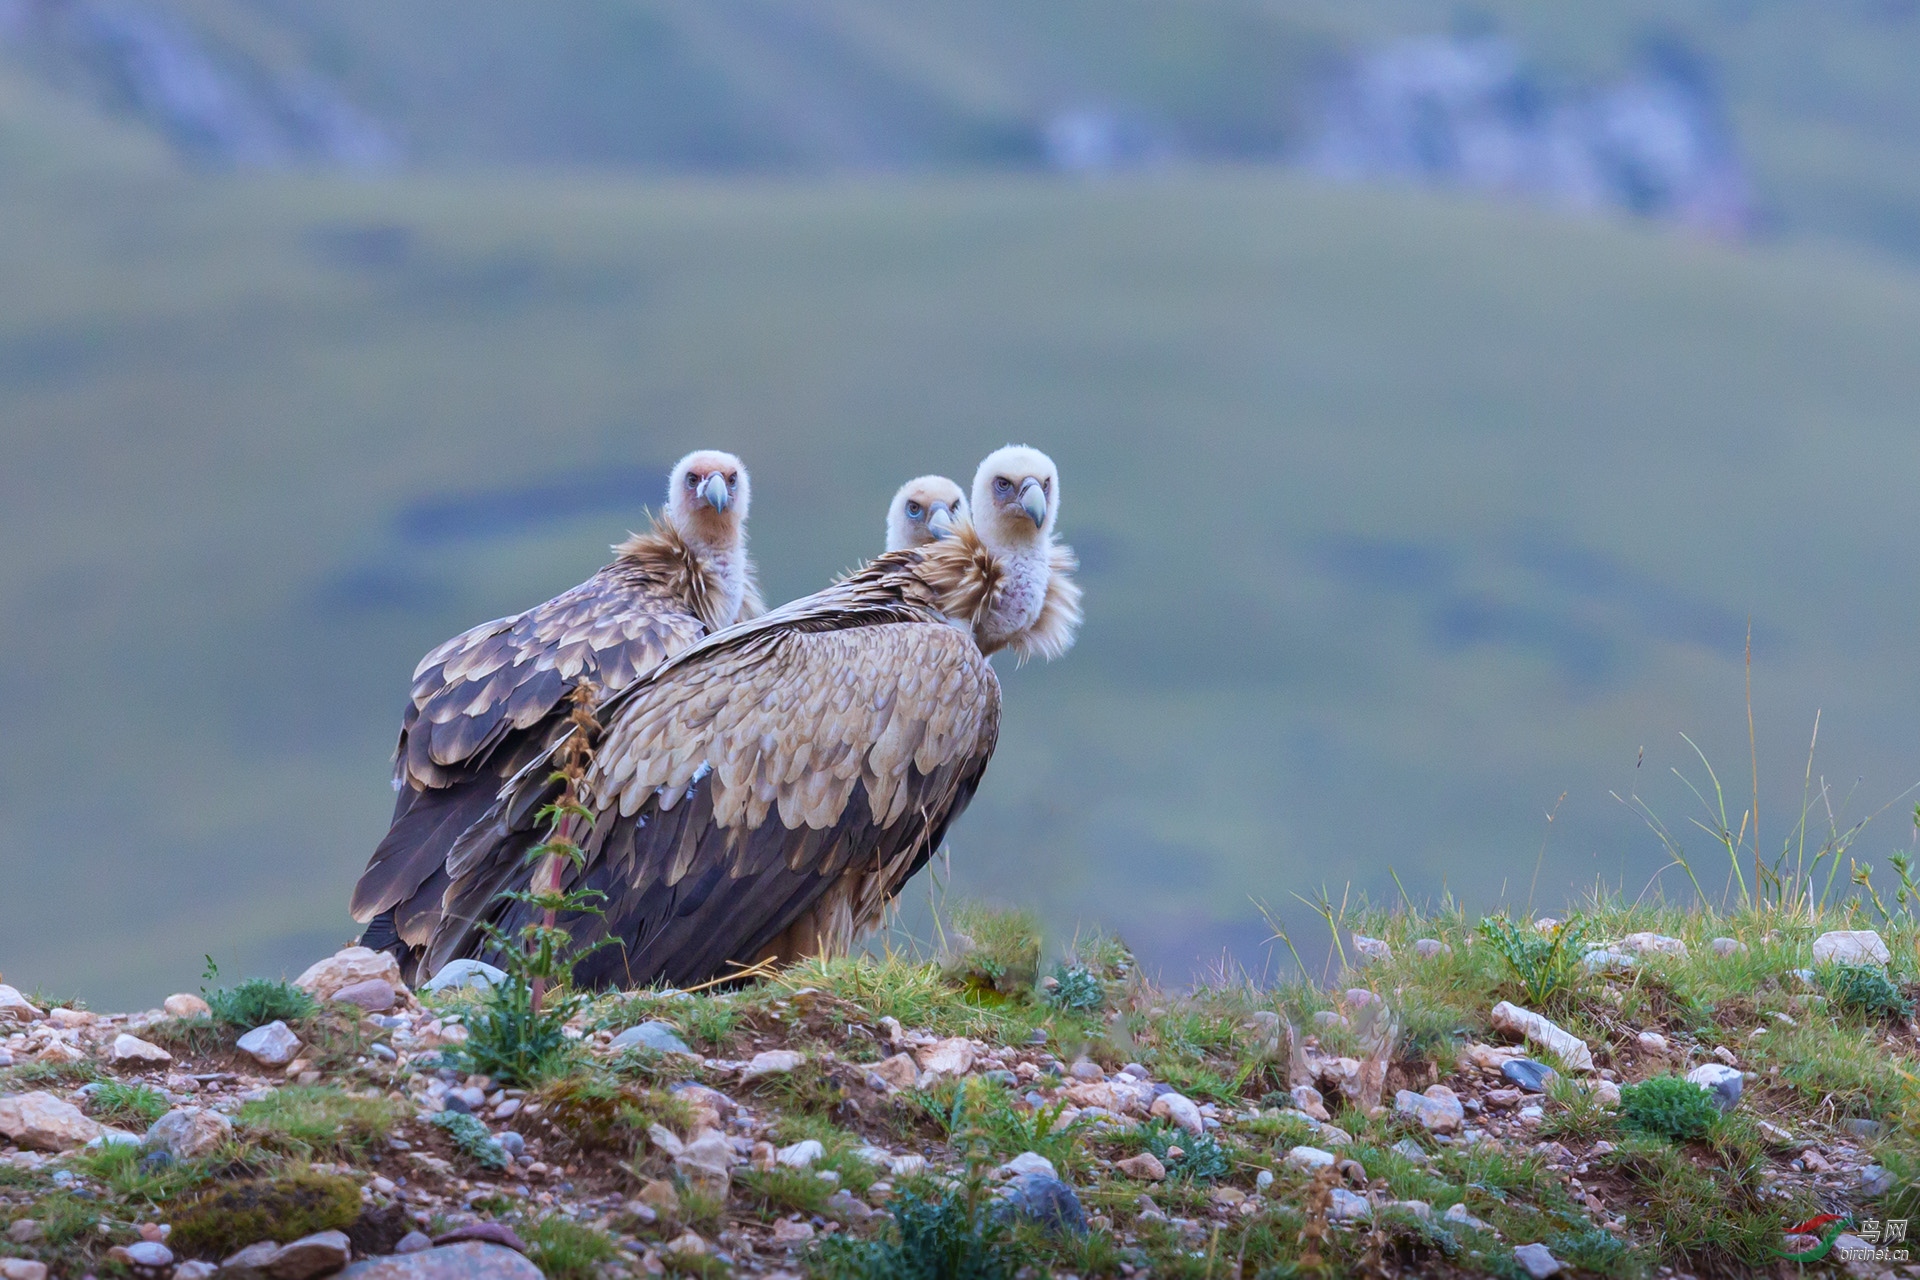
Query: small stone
x=1850, y=946
x=375, y=995
x=1725, y=1055
x=906, y=1166
x=271, y=1046
x=1652, y=1042
x=187, y=1133
x=456, y=974
x=1437, y=1110
x=1607, y=1094
x=665, y=1139
x=1537, y=1261
x=319, y=1254
x=1722, y=1081
x=950, y=1057
x=1563, y=1044
x=658, y=1036
x=468, y=1260
x=1865, y=1130
x=789, y=1232
x=184, y=1004
x=22, y=1269
x=1529, y=1075
x=512, y=1143
x=1655, y=943
x=413, y=1242
x=1531, y=1117
x=1309, y=1158
x=660, y=1196
x=345, y=968
x=1345, y=1206
x=707, y=1163
x=147, y=1255
x=1046, y=1201
x=1875, y=1180
x=1329, y=1018
x=897, y=1072
x=773, y=1062
x=1458, y=1216
x=1139, y=1072
x=1181, y=1111
x=1428, y=948
x=132, y=1050
x=688, y=1244
x=1608, y=960
x=1309, y=1100
x=39, y=1121
x=1147, y=1167
x=890, y=1028
x=800, y=1155
x=1408, y=1149
x=15, y=1007
x=194, y=1269
x=1727, y=946
x=1371, y=950
x=1025, y=1163
x=1774, y=1133
x=1086, y=1071
x=489, y=1232
x=24, y=1231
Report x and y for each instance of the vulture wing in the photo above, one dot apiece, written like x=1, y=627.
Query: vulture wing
x=769, y=789
x=488, y=701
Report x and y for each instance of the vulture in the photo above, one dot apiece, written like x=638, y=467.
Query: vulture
x=925, y=510
x=493, y=698
x=765, y=793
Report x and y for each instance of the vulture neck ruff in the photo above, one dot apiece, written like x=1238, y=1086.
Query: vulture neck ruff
x=1023, y=601
x=715, y=583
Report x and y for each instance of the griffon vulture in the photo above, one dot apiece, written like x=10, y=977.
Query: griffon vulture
x=924, y=510
x=491, y=699
x=765, y=793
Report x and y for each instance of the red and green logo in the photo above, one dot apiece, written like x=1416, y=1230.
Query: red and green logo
x=1827, y=1227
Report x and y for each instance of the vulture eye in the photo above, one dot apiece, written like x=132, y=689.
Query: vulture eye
x=693, y=481
x=1002, y=486
x=914, y=509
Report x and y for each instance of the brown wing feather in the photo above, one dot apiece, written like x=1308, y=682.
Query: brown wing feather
x=745, y=785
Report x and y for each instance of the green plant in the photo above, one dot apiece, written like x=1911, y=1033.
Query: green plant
x=1866, y=990
x=218, y=1222
x=565, y=1250
x=952, y=1238
x=127, y=1104
x=472, y=1138
x=1076, y=988
x=1670, y=1107
x=1194, y=1158
x=994, y=953
x=1543, y=963
x=257, y=1001
x=517, y=1032
x=314, y=1120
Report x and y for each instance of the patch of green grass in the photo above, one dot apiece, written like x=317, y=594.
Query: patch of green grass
x=512, y=1042
x=217, y=1222
x=39, y=1075
x=950, y=1238
x=316, y=1120
x=566, y=1250
x=258, y=1001
x=127, y=1105
x=1574, y=1111
x=916, y=994
x=775, y=1192
x=598, y=1113
x=1700, y=1214
x=1669, y=1107
x=993, y=952
x=120, y=1167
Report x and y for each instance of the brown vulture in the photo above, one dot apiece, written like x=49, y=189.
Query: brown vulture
x=924, y=510
x=765, y=793
x=491, y=699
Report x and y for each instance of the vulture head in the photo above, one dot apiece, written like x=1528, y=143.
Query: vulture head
x=1016, y=495
x=925, y=510
x=707, y=498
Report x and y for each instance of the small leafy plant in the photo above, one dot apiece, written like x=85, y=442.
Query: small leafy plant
x=1866, y=990
x=951, y=1238
x=1669, y=1107
x=1191, y=1158
x=1543, y=964
x=118, y=1101
x=1076, y=988
x=255, y=1001
x=471, y=1136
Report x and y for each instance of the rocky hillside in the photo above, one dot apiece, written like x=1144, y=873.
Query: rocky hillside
x=1623, y=1093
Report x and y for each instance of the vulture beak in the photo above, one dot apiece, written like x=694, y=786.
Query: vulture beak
x=940, y=521
x=715, y=492
x=1033, y=501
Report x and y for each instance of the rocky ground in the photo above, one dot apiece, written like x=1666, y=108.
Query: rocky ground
x=1462, y=1100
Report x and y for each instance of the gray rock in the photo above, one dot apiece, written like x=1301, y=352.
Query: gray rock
x=413, y=1242
x=1370, y=950
x=194, y=1269
x=1139, y=1072
x=1607, y=960
x=271, y=1046
x=1310, y=1158
x=383, y=1052
x=249, y=1263
x=375, y=995
x=486, y=1233
x=1865, y=1130
x=1528, y=1074
x=1875, y=1180
x=511, y=1143
x=320, y=1254
x=1437, y=1110
x=1047, y=1202
x=1428, y=948
x=1345, y=1206
x=1027, y=1162
x=1722, y=1081
x=1537, y=1261
x=1459, y=1217
x=1728, y=946
x=149, y=1255
x=800, y=1155
x=466, y=973
x=1656, y=943
x=186, y=1133
x=657, y=1036
x=1850, y=946
x=470, y=1260
x=1408, y=1149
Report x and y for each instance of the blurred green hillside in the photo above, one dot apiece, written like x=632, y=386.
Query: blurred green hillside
x=1401, y=516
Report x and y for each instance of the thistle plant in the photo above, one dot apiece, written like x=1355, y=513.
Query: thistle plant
x=518, y=1029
